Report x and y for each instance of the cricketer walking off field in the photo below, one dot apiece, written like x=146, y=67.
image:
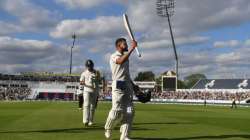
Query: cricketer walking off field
x=122, y=90
x=90, y=79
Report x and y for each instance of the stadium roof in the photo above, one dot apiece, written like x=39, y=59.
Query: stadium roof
x=222, y=84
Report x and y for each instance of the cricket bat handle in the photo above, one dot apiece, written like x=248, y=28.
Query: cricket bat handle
x=136, y=48
x=137, y=51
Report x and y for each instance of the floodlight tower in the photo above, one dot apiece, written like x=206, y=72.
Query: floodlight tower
x=165, y=8
x=74, y=38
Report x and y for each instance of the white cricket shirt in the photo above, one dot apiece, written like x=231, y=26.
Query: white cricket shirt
x=90, y=79
x=120, y=72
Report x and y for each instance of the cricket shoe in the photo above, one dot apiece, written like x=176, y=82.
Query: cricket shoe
x=107, y=134
x=125, y=138
x=86, y=124
x=79, y=108
x=90, y=123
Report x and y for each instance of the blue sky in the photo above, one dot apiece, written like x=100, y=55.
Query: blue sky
x=210, y=39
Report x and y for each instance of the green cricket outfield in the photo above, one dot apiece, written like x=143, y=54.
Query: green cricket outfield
x=62, y=121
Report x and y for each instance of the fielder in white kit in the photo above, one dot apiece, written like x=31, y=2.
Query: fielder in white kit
x=122, y=90
x=90, y=80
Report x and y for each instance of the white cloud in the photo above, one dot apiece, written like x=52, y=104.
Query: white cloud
x=30, y=14
x=9, y=44
x=191, y=16
x=84, y=4
x=94, y=28
x=189, y=40
x=206, y=15
x=232, y=15
x=230, y=43
x=157, y=55
x=7, y=28
x=228, y=58
x=30, y=17
x=18, y=55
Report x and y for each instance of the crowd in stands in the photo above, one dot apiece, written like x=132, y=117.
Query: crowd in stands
x=21, y=93
x=191, y=95
x=5, y=77
x=14, y=93
x=200, y=95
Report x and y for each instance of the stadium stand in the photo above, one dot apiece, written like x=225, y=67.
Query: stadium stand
x=210, y=90
x=201, y=95
x=14, y=93
x=222, y=84
x=23, y=87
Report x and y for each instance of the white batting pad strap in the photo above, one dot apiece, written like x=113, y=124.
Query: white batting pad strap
x=129, y=110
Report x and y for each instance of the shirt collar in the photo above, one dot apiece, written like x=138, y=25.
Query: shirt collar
x=117, y=52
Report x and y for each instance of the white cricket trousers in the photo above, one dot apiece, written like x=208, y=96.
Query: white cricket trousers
x=122, y=109
x=89, y=105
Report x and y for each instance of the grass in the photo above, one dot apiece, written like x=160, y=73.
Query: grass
x=62, y=121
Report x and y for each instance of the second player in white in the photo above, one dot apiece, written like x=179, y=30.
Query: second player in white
x=90, y=80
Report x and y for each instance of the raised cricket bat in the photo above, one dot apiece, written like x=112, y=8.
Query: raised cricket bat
x=130, y=33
